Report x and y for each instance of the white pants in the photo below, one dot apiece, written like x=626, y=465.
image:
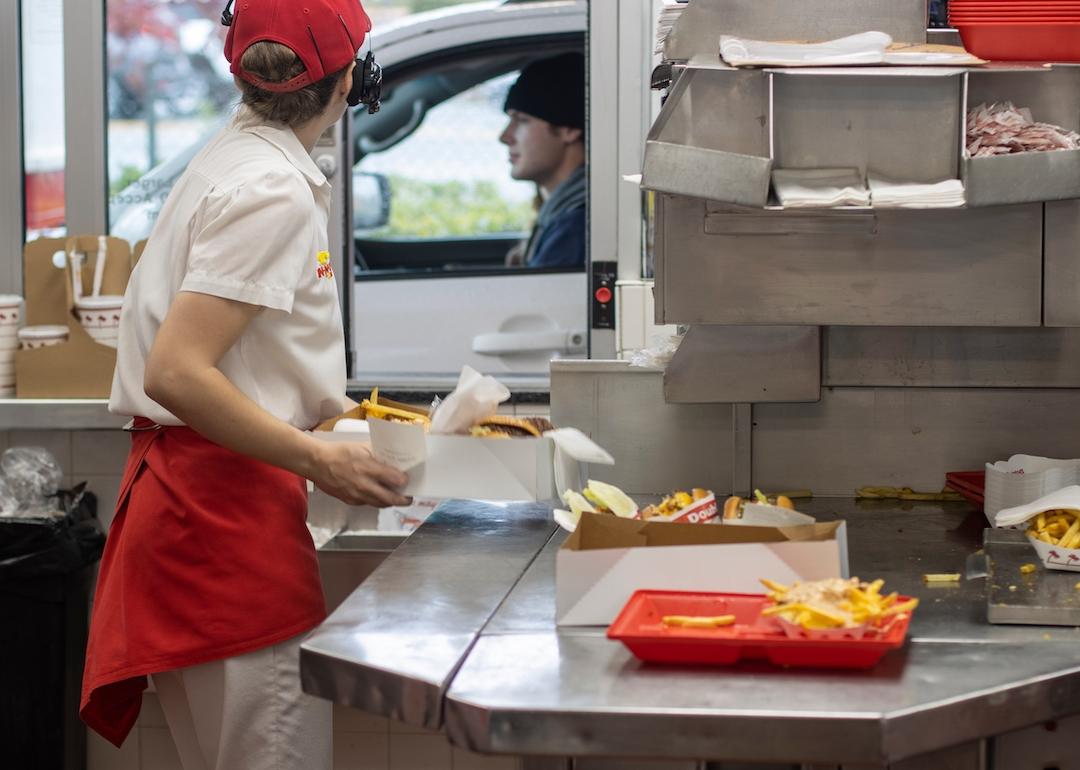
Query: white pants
x=247, y=713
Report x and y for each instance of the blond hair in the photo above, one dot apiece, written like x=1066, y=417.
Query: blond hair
x=276, y=63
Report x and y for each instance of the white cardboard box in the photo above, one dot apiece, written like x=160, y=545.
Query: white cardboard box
x=467, y=467
x=607, y=559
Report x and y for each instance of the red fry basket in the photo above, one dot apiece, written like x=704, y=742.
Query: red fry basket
x=970, y=484
x=639, y=626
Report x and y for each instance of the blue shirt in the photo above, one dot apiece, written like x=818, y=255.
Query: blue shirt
x=562, y=242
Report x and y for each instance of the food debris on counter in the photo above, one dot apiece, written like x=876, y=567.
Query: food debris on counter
x=941, y=577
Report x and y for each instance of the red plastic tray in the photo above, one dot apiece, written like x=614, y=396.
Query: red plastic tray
x=753, y=637
x=971, y=484
x=1023, y=42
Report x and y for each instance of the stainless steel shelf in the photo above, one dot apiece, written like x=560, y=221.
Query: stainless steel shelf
x=58, y=414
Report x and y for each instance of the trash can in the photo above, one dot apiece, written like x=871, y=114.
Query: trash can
x=46, y=569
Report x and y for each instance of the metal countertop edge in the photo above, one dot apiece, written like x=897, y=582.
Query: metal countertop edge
x=884, y=737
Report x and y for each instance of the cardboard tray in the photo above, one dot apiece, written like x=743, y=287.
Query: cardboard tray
x=468, y=467
x=80, y=367
x=607, y=558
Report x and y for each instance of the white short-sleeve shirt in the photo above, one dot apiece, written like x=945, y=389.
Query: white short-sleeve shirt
x=246, y=221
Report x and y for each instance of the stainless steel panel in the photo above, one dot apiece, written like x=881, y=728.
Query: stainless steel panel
x=657, y=446
x=1029, y=176
x=745, y=364
x=926, y=268
x=58, y=414
x=698, y=148
x=393, y=646
x=586, y=695
x=905, y=436
x=860, y=356
x=12, y=236
x=1043, y=598
x=967, y=756
x=701, y=24
x=348, y=560
x=1039, y=747
x=86, y=180
x=729, y=220
x=1061, y=285
x=905, y=128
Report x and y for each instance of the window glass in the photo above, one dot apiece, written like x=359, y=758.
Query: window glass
x=168, y=87
x=450, y=178
x=43, y=116
x=382, y=11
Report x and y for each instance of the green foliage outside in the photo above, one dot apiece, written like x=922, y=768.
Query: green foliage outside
x=417, y=6
x=128, y=175
x=451, y=209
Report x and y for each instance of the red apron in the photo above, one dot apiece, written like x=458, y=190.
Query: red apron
x=208, y=557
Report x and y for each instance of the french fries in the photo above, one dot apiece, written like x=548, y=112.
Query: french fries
x=1060, y=527
x=834, y=603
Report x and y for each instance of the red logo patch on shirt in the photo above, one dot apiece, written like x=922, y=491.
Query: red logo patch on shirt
x=325, y=269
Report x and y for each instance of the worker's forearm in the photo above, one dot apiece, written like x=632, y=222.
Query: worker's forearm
x=208, y=402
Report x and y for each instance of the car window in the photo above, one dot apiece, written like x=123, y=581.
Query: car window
x=449, y=180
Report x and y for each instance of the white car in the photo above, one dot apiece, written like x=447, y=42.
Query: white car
x=435, y=210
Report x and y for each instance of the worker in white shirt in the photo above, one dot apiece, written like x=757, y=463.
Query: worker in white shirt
x=231, y=347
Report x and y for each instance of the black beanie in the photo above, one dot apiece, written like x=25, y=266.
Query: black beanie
x=552, y=90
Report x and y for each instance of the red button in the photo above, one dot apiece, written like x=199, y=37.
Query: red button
x=603, y=295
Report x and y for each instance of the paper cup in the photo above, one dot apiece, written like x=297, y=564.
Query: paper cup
x=32, y=337
x=10, y=310
x=1056, y=557
x=8, y=345
x=99, y=312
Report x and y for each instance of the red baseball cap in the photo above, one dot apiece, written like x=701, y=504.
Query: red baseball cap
x=325, y=34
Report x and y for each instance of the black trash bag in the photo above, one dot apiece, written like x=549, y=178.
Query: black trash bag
x=60, y=545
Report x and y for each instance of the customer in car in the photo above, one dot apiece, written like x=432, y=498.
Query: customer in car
x=546, y=138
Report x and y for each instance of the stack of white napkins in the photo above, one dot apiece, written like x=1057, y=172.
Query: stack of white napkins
x=887, y=194
x=670, y=12
x=820, y=187
x=864, y=48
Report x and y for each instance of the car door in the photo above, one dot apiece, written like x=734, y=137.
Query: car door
x=432, y=292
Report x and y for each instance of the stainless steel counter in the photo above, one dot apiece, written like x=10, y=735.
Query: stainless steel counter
x=57, y=414
x=417, y=643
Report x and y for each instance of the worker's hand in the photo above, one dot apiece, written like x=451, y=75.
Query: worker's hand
x=349, y=472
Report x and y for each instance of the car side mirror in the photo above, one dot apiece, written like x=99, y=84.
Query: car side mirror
x=370, y=200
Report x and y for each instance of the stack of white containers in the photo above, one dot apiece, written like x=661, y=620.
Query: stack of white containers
x=10, y=315
x=1024, y=479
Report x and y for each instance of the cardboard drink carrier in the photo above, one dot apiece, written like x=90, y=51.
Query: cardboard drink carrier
x=449, y=466
x=80, y=367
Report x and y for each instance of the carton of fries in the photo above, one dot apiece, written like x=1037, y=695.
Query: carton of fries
x=607, y=558
x=1052, y=526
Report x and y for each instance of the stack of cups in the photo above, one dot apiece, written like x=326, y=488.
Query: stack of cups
x=100, y=316
x=10, y=314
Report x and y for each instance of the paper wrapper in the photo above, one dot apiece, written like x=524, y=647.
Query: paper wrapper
x=700, y=511
x=1024, y=479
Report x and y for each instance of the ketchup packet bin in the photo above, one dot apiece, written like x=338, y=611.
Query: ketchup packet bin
x=607, y=558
